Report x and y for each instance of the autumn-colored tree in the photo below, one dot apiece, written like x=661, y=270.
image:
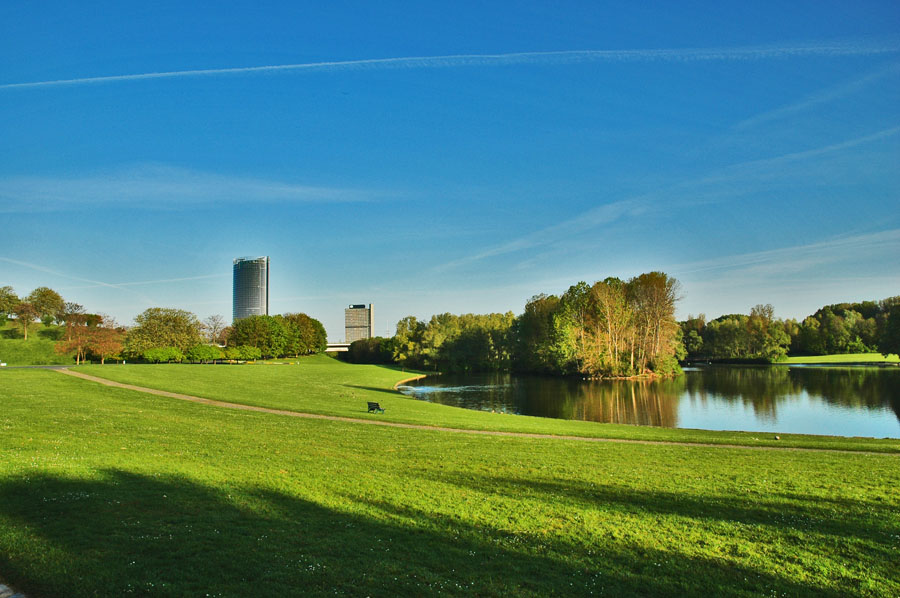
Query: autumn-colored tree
x=78, y=338
x=106, y=339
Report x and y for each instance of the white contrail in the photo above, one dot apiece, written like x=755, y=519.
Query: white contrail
x=558, y=57
x=98, y=283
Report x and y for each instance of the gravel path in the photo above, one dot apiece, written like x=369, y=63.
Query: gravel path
x=375, y=422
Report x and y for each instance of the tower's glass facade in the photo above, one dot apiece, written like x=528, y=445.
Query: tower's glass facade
x=359, y=322
x=251, y=287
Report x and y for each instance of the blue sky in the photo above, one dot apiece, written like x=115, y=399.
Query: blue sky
x=449, y=156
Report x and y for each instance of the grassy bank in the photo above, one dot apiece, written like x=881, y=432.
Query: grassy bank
x=843, y=358
x=39, y=349
x=105, y=491
x=325, y=386
x=34, y=351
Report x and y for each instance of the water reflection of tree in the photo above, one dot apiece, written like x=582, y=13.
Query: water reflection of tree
x=645, y=402
x=874, y=388
x=761, y=388
x=764, y=388
x=655, y=402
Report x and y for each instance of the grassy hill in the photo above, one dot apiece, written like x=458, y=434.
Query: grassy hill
x=37, y=350
x=107, y=491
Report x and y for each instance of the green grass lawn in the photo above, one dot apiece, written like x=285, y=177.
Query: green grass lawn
x=323, y=385
x=842, y=358
x=109, y=492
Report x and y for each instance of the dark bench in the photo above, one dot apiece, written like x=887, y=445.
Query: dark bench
x=375, y=408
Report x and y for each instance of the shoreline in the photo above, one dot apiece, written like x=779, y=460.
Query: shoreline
x=405, y=380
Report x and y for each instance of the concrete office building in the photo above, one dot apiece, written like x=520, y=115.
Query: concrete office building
x=359, y=322
x=250, y=293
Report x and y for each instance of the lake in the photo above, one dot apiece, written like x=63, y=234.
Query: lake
x=839, y=401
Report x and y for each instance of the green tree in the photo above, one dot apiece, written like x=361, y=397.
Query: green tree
x=889, y=343
x=47, y=302
x=409, y=343
x=266, y=333
x=533, y=335
x=204, y=353
x=25, y=314
x=163, y=354
x=303, y=335
x=371, y=350
x=8, y=300
x=159, y=327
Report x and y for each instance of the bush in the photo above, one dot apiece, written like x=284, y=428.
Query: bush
x=371, y=350
x=204, y=353
x=242, y=353
x=163, y=354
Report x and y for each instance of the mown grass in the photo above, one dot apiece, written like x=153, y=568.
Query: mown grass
x=111, y=492
x=326, y=386
x=844, y=358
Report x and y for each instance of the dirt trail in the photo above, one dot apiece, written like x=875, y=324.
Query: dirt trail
x=375, y=422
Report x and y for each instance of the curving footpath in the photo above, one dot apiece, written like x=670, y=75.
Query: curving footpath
x=371, y=422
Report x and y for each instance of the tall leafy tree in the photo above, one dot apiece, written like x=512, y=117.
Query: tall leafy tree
x=47, y=302
x=889, y=343
x=304, y=335
x=266, y=333
x=25, y=314
x=534, y=335
x=409, y=343
x=8, y=300
x=159, y=327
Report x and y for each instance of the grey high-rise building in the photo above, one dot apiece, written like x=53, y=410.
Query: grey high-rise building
x=250, y=293
x=359, y=322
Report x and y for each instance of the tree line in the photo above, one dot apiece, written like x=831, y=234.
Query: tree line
x=609, y=329
x=864, y=327
x=161, y=334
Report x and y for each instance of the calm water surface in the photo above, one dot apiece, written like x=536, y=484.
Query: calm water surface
x=841, y=401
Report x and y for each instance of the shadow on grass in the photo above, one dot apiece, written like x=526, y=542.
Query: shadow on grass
x=124, y=533
x=864, y=527
x=373, y=389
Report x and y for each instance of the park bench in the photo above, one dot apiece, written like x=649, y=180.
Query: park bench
x=375, y=408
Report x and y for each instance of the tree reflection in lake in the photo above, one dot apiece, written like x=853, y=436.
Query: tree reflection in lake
x=718, y=397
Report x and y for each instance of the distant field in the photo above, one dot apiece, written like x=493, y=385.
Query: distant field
x=110, y=492
x=843, y=358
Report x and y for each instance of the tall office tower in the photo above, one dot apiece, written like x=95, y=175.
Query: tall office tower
x=250, y=293
x=359, y=323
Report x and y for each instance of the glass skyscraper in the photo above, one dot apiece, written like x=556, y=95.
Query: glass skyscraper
x=250, y=293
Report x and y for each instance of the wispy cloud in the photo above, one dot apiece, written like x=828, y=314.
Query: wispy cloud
x=846, y=48
x=794, y=259
x=758, y=167
x=827, y=95
x=715, y=187
x=146, y=282
x=604, y=214
x=158, y=186
x=96, y=283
